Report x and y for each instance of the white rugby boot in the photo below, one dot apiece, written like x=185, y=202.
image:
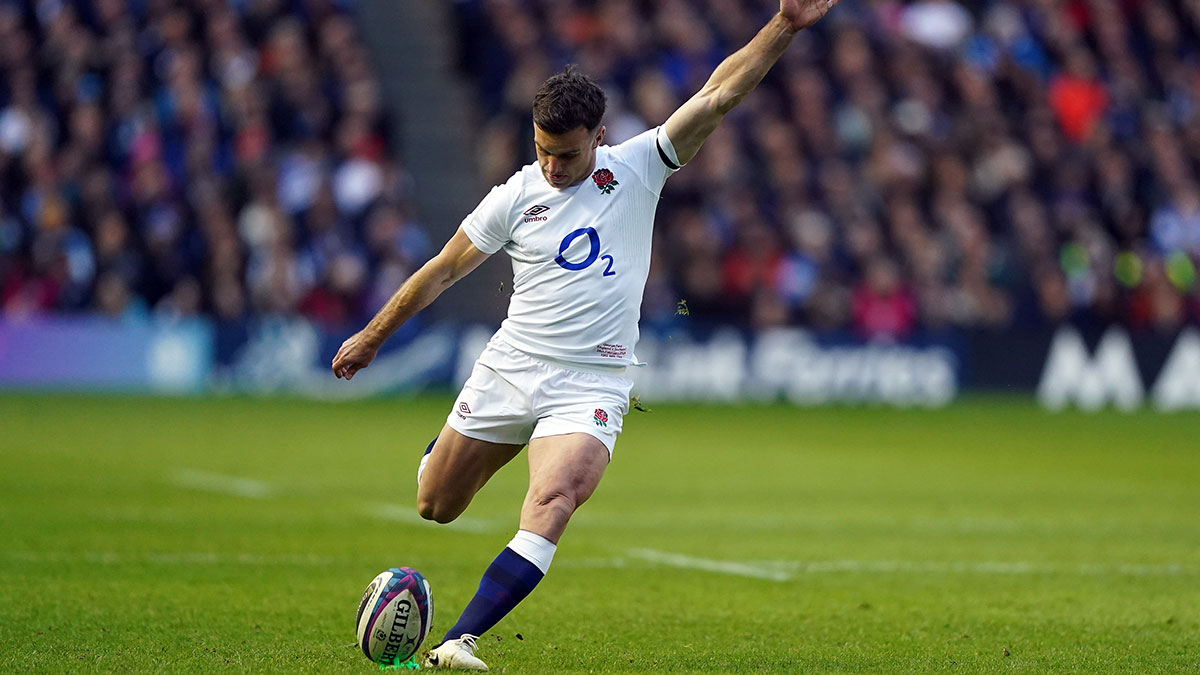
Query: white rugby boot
x=455, y=655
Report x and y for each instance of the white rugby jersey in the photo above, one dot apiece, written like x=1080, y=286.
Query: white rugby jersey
x=580, y=255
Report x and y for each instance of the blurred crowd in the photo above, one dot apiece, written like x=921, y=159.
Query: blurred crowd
x=165, y=158
x=906, y=167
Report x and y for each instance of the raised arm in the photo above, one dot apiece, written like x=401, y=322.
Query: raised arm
x=738, y=75
x=454, y=262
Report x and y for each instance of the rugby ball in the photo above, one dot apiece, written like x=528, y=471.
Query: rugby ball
x=394, y=615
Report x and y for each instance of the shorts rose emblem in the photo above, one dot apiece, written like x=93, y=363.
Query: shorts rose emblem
x=604, y=180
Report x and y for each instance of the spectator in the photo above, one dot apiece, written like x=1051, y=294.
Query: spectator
x=191, y=158
x=955, y=165
x=973, y=165
x=884, y=309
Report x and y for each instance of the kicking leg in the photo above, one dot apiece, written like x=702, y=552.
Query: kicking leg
x=456, y=468
x=564, y=470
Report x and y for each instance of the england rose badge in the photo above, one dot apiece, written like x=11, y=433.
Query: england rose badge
x=604, y=180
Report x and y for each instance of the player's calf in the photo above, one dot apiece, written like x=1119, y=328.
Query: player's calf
x=507, y=581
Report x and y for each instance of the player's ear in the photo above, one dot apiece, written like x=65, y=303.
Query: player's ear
x=599, y=136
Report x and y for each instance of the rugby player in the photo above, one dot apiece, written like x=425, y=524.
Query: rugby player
x=577, y=226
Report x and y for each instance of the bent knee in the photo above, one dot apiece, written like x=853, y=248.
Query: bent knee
x=438, y=510
x=554, y=501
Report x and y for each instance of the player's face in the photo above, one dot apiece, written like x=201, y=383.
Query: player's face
x=566, y=159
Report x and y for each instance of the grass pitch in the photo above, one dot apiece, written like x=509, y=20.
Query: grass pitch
x=238, y=534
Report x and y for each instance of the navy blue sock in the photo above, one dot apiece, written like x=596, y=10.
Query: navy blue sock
x=505, y=583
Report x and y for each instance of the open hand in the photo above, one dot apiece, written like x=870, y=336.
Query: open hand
x=801, y=14
x=356, y=353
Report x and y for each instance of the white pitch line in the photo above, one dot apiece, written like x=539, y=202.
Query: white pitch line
x=409, y=516
x=739, y=569
x=1018, y=567
x=178, y=558
x=784, y=570
x=236, y=486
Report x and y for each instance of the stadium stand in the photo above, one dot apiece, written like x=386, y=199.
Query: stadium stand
x=908, y=166
x=202, y=158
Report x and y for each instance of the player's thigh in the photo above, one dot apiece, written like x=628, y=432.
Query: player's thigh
x=459, y=465
x=567, y=465
x=571, y=402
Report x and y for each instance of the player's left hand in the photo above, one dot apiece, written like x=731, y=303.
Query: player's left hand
x=356, y=353
x=801, y=14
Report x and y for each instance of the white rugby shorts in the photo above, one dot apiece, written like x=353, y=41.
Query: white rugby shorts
x=512, y=397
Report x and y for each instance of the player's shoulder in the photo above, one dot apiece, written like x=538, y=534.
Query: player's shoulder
x=634, y=147
x=526, y=179
x=642, y=156
x=528, y=175
x=512, y=190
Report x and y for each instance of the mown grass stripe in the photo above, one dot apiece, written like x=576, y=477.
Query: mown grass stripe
x=408, y=515
x=236, y=486
x=172, y=558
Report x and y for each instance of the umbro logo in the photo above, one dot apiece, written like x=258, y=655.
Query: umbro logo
x=534, y=213
x=463, y=410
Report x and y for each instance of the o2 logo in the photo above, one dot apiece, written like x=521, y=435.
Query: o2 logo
x=593, y=252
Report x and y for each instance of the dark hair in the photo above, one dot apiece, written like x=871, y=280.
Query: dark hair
x=567, y=101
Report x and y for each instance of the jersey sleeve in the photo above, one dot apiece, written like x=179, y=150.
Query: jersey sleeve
x=649, y=154
x=489, y=226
